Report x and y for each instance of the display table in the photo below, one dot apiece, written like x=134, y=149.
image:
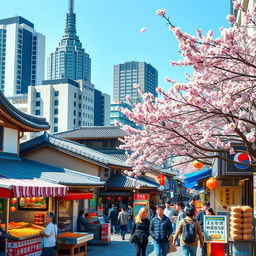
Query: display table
x=73, y=244
x=27, y=246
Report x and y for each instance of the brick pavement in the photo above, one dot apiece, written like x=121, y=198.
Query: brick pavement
x=119, y=247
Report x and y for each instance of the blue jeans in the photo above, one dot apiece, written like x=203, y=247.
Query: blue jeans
x=161, y=248
x=173, y=227
x=188, y=250
x=204, y=250
x=48, y=251
x=129, y=227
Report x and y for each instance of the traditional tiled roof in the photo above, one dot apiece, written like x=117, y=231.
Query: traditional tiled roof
x=25, y=121
x=92, y=132
x=73, y=148
x=124, y=181
x=20, y=168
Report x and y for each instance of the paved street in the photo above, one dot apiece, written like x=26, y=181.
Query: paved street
x=119, y=247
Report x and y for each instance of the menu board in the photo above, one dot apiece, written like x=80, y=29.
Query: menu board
x=215, y=229
x=226, y=197
x=33, y=203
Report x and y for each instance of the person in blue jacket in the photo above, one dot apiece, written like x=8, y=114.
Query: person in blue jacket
x=160, y=229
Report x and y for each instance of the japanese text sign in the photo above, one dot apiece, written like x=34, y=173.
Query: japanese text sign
x=215, y=229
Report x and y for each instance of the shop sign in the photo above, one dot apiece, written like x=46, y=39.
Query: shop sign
x=215, y=229
x=93, y=203
x=105, y=232
x=199, y=206
x=225, y=197
x=100, y=211
x=141, y=196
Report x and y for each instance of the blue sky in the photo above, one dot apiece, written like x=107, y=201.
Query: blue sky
x=109, y=30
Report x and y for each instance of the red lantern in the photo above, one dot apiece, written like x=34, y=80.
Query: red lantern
x=198, y=164
x=119, y=198
x=108, y=198
x=161, y=178
x=14, y=200
x=212, y=183
x=12, y=209
x=129, y=198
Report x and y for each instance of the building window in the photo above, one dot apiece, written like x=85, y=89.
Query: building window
x=74, y=112
x=1, y=137
x=74, y=121
x=56, y=93
x=37, y=112
x=38, y=94
x=55, y=120
x=38, y=103
x=55, y=129
x=74, y=104
x=56, y=102
x=75, y=95
x=56, y=111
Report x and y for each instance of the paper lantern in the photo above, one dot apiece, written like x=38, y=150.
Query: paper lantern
x=161, y=180
x=198, y=164
x=212, y=183
x=108, y=198
x=12, y=209
x=119, y=198
x=14, y=200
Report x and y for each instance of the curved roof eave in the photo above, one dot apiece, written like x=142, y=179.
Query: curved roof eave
x=24, y=121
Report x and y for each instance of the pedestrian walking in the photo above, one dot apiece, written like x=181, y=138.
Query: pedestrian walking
x=181, y=215
x=189, y=232
x=123, y=218
x=200, y=218
x=49, y=235
x=140, y=232
x=160, y=229
x=112, y=218
x=170, y=213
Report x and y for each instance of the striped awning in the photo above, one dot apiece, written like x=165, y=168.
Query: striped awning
x=33, y=188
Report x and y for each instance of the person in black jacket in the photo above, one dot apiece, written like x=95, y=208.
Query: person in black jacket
x=160, y=229
x=140, y=232
x=112, y=218
x=82, y=221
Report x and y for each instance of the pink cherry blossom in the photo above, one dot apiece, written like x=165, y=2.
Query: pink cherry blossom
x=168, y=79
x=203, y=118
x=143, y=30
x=236, y=5
x=231, y=19
x=161, y=12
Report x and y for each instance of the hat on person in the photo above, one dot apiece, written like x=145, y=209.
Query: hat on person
x=159, y=206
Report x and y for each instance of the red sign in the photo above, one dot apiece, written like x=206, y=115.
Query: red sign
x=161, y=178
x=105, y=232
x=141, y=197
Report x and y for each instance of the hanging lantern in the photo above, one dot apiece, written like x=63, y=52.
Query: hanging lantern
x=161, y=180
x=119, y=198
x=12, y=209
x=14, y=200
x=197, y=164
x=108, y=198
x=212, y=183
x=129, y=198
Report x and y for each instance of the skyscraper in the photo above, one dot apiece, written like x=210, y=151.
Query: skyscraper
x=69, y=59
x=101, y=108
x=22, y=52
x=130, y=73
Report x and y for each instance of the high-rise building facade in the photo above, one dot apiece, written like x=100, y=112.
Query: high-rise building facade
x=22, y=53
x=130, y=73
x=66, y=104
x=101, y=108
x=69, y=59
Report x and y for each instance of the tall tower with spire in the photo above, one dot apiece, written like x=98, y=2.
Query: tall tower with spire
x=69, y=59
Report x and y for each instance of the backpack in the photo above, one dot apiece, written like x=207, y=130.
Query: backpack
x=189, y=231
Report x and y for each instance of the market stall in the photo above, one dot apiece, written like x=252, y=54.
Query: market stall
x=73, y=244
x=27, y=200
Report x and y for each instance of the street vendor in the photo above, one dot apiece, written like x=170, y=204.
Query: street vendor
x=4, y=235
x=49, y=235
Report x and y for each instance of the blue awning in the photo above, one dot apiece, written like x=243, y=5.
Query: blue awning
x=192, y=178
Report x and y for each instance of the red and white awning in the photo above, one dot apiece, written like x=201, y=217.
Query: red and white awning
x=33, y=188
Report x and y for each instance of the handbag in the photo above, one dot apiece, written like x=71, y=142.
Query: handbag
x=171, y=247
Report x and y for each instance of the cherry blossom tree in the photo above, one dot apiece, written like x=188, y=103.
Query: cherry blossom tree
x=215, y=109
